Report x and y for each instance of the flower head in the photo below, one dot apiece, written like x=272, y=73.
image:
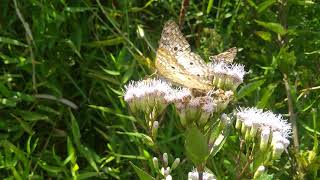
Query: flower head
x=150, y=96
x=227, y=76
x=195, y=109
x=221, y=98
x=252, y=120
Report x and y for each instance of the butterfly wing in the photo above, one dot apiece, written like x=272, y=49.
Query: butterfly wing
x=227, y=56
x=168, y=66
x=174, y=42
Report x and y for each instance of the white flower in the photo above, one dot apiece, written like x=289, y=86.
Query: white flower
x=178, y=95
x=259, y=172
x=148, y=96
x=194, y=175
x=267, y=122
x=198, y=109
x=228, y=76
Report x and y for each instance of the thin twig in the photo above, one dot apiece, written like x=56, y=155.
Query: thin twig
x=30, y=42
x=245, y=167
x=183, y=10
x=292, y=114
x=238, y=158
x=283, y=18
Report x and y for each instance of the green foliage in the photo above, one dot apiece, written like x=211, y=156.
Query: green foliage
x=142, y=175
x=196, y=146
x=65, y=63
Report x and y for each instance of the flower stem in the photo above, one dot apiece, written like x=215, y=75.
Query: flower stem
x=200, y=169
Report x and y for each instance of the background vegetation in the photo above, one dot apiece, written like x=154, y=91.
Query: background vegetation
x=64, y=65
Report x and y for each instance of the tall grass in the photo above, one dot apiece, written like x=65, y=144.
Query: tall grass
x=64, y=64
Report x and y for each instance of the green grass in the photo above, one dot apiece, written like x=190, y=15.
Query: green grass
x=86, y=51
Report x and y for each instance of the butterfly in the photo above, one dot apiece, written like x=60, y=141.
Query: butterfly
x=227, y=56
x=176, y=62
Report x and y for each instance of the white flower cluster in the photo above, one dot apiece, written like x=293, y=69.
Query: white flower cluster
x=153, y=95
x=198, y=109
x=227, y=75
x=144, y=88
x=272, y=128
x=194, y=175
x=148, y=94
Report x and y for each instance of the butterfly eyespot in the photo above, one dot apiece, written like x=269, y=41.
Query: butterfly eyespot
x=175, y=48
x=172, y=67
x=191, y=63
x=198, y=75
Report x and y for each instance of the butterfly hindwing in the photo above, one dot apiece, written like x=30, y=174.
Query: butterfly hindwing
x=227, y=56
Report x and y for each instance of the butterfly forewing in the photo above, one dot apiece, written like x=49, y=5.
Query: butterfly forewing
x=169, y=67
x=172, y=40
x=176, y=62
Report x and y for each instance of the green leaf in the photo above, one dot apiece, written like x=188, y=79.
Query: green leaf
x=110, y=72
x=108, y=42
x=75, y=49
x=86, y=152
x=89, y=155
x=71, y=152
x=266, y=96
x=6, y=40
x=286, y=59
x=32, y=116
x=52, y=169
x=196, y=146
x=265, y=176
x=145, y=138
x=209, y=7
x=265, y=4
x=275, y=27
x=75, y=129
x=88, y=175
x=142, y=174
x=4, y=91
x=264, y=35
x=249, y=88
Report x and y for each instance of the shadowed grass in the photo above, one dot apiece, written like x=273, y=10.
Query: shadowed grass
x=64, y=66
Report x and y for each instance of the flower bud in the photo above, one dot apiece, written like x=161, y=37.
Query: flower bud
x=155, y=163
x=253, y=130
x=259, y=172
x=248, y=125
x=225, y=121
x=194, y=175
x=238, y=124
x=155, y=127
x=169, y=177
x=165, y=159
x=166, y=172
x=278, y=149
x=243, y=129
x=217, y=142
x=175, y=163
x=265, y=133
x=140, y=31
